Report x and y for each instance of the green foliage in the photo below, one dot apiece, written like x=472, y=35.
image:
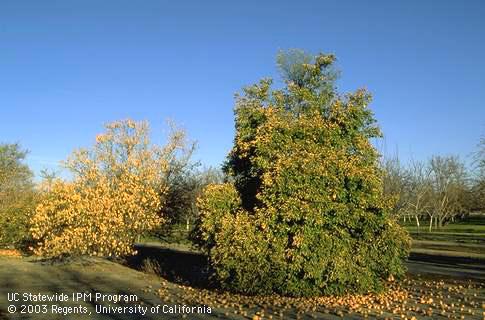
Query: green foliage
x=17, y=196
x=215, y=202
x=181, y=183
x=312, y=218
x=185, y=185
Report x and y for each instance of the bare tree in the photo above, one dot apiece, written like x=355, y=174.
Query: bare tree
x=396, y=184
x=477, y=200
x=439, y=188
x=419, y=191
x=449, y=188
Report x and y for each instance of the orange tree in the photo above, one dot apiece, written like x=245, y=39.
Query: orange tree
x=304, y=213
x=117, y=193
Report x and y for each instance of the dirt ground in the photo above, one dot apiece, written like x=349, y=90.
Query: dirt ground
x=434, y=289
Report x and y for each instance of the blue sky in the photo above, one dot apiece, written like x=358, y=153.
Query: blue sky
x=68, y=67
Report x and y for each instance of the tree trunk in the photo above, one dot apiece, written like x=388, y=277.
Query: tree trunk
x=417, y=222
x=430, y=223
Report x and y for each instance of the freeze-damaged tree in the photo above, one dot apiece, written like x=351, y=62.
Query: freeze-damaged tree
x=117, y=193
x=304, y=213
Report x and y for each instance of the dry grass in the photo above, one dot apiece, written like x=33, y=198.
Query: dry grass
x=151, y=266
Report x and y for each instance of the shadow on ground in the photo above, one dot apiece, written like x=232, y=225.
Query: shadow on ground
x=191, y=268
x=179, y=266
x=448, y=266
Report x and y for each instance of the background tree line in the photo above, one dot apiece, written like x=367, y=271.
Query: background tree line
x=439, y=190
